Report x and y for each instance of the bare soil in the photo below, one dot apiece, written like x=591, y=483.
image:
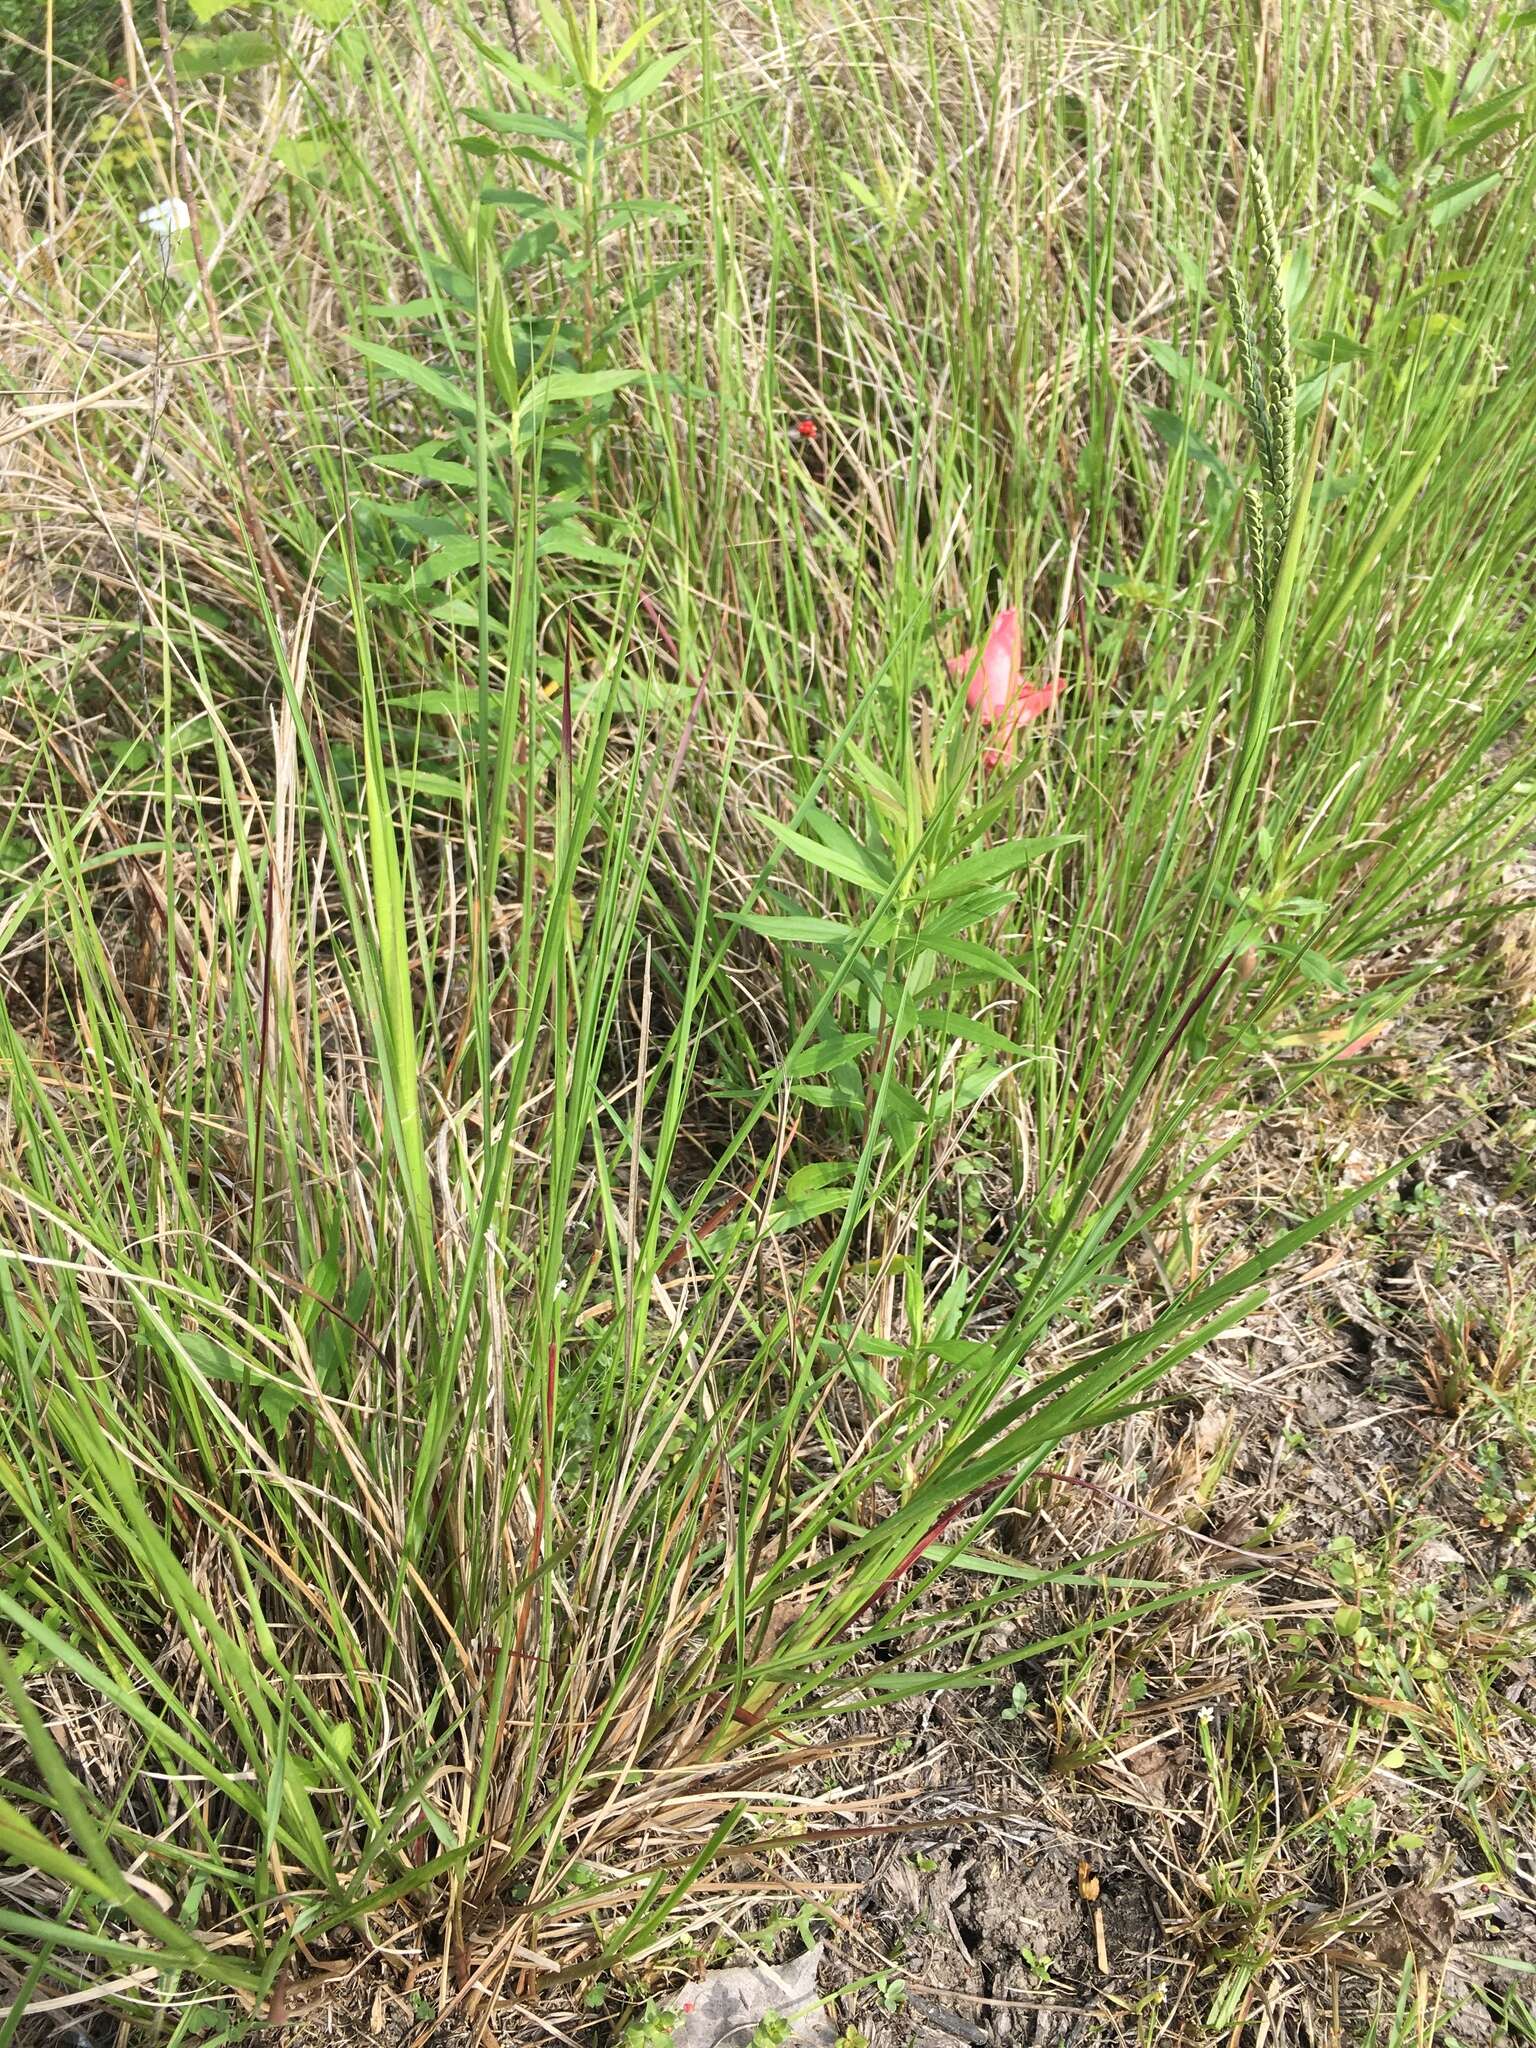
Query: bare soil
x=1193, y=1770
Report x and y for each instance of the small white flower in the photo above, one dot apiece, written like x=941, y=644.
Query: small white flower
x=166, y=218
x=161, y=221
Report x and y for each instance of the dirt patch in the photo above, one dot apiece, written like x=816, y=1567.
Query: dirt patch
x=1311, y=1786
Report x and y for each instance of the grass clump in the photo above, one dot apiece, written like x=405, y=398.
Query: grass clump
x=568, y=1137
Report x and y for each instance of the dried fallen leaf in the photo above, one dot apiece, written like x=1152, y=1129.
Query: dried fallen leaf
x=1418, y=1923
x=725, y=2007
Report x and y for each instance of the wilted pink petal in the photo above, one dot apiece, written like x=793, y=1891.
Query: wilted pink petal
x=1366, y=1038
x=998, y=693
x=1031, y=700
x=1027, y=705
x=993, y=677
x=996, y=680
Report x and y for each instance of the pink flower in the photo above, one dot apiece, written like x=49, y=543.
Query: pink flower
x=1002, y=700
